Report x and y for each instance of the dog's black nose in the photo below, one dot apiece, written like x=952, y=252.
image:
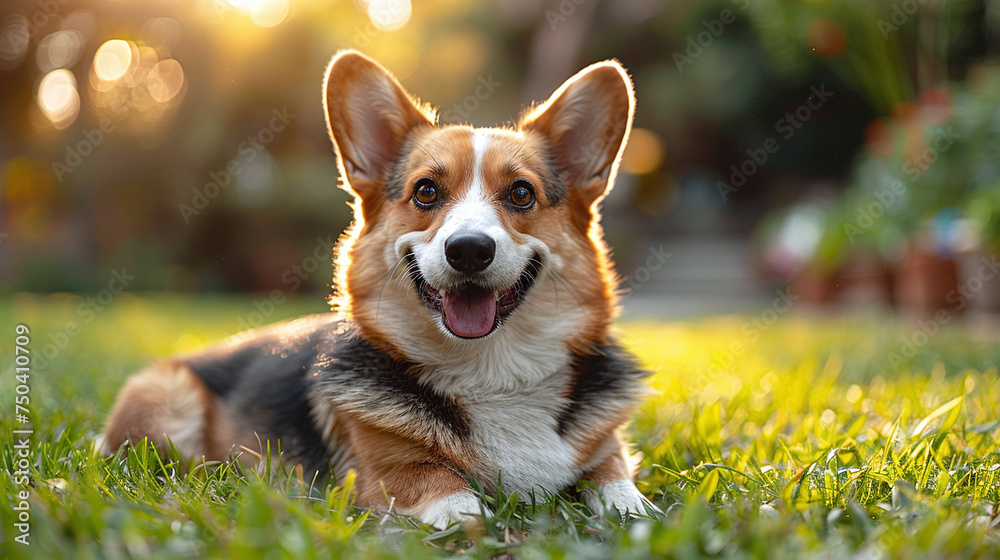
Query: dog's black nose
x=469, y=252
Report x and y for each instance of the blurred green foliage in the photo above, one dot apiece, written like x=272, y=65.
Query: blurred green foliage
x=106, y=186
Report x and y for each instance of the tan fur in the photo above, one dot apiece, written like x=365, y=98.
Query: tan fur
x=390, y=465
x=614, y=467
x=166, y=400
x=599, y=440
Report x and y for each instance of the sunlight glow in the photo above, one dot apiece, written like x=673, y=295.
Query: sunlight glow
x=161, y=33
x=113, y=59
x=644, y=152
x=14, y=36
x=58, y=98
x=263, y=13
x=268, y=13
x=389, y=15
x=60, y=49
x=165, y=80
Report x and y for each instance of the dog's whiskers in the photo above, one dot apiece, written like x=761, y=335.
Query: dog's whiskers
x=386, y=280
x=402, y=281
x=512, y=159
x=436, y=162
x=556, y=276
x=403, y=285
x=454, y=345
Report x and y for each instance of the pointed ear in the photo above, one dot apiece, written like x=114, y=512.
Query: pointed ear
x=369, y=116
x=587, y=122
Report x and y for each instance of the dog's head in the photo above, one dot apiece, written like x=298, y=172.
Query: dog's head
x=464, y=233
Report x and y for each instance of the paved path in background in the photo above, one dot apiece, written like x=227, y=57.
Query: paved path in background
x=703, y=276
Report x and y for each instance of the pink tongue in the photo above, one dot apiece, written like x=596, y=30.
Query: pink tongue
x=471, y=311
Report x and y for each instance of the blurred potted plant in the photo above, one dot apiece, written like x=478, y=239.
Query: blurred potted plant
x=913, y=171
x=983, y=211
x=977, y=119
x=803, y=246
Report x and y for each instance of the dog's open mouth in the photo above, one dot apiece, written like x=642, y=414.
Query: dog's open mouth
x=471, y=310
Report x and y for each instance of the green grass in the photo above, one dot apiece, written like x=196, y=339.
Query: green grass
x=848, y=454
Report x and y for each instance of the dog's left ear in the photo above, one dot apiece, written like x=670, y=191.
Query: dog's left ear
x=587, y=122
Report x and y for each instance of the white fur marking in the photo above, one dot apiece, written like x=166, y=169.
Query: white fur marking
x=515, y=437
x=455, y=507
x=531, y=344
x=480, y=140
x=620, y=494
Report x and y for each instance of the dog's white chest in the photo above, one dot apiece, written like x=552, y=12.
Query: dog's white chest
x=515, y=437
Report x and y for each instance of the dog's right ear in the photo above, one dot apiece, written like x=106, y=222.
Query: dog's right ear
x=369, y=116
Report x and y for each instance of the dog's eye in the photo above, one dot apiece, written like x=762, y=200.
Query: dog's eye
x=426, y=193
x=522, y=195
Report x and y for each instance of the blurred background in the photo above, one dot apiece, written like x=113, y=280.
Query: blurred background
x=839, y=152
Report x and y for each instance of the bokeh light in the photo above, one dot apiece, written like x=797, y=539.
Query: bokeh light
x=644, y=152
x=165, y=80
x=161, y=33
x=263, y=13
x=113, y=60
x=138, y=85
x=58, y=98
x=826, y=37
x=14, y=37
x=82, y=21
x=59, y=50
x=389, y=15
x=268, y=13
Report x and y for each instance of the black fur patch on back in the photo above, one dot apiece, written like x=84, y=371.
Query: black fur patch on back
x=606, y=381
x=272, y=380
x=263, y=381
x=360, y=378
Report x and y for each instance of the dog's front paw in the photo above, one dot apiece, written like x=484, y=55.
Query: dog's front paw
x=456, y=507
x=622, y=495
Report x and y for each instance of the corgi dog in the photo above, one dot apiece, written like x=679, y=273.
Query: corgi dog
x=472, y=334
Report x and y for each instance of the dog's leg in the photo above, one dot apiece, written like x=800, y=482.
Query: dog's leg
x=615, y=487
x=430, y=492
x=166, y=400
x=446, y=497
